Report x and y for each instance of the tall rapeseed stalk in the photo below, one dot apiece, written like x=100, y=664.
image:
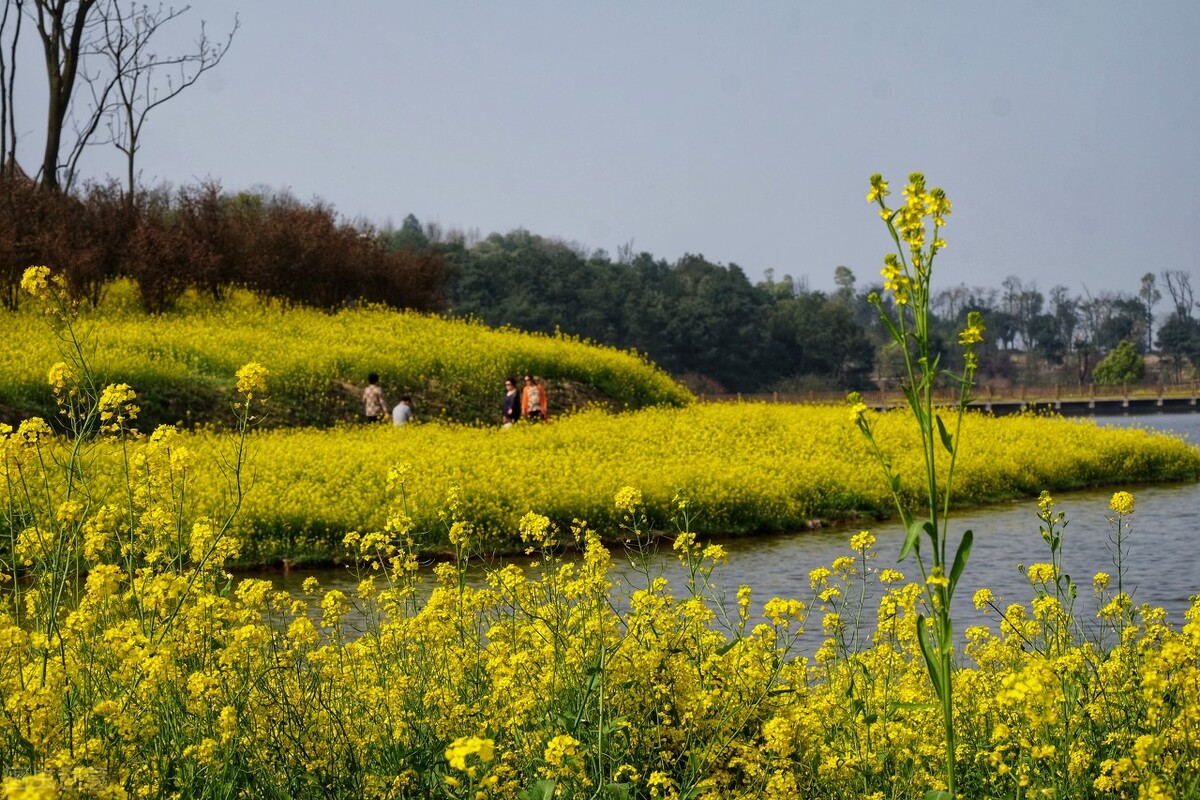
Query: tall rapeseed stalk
x=908, y=274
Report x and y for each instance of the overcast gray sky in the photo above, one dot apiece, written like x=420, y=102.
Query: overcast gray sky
x=1067, y=134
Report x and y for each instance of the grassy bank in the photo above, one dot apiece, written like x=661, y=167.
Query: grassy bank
x=180, y=363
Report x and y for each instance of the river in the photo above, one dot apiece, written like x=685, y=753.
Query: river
x=1162, y=562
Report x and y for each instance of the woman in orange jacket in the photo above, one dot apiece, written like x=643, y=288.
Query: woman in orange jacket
x=533, y=400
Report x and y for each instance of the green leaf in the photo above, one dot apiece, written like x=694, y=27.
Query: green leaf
x=891, y=326
x=960, y=558
x=541, y=790
x=725, y=648
x=931, y=662
x=915, y=404
x=618, y=791
x=947, y=440
x=938, y=794
x=912, y=540
x=915, y=706
x=614, y=725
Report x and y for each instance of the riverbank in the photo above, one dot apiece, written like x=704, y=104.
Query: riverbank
x=741, y=469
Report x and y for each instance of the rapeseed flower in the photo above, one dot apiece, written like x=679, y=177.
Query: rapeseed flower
x=559, y=752
x=628, y=500
x=117, y=407
x=879, y=189
x=1121, y=503
x=862, y=541
x=252, y=379
x=465, y=746
x=35, y=281
x=973, y=333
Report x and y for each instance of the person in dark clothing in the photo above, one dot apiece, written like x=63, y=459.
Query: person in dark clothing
x=512, y=402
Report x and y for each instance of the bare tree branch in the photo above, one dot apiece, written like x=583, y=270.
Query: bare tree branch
x=146, y=80
x=97, y=43
x=13, y=11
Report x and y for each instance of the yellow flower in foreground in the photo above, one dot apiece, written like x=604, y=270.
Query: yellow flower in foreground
x=862, y=541
x=252, y=379
x=1121, y=503
x=35, y=281
x=973, y=333
x=559, y=749
x=60, y=374
x=30, y=787
x=117, y=405
x=459, y=749
x=628, y=499
x=879, y=188
x=858, y=409
x=937, y=577
x=537, y=529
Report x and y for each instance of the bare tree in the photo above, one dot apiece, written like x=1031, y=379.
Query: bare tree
x=108, y=49
x=10, y=36
x=1179, y=286
x=625, y=253
x=952, y=302
x=63, y=27
x=145, y=80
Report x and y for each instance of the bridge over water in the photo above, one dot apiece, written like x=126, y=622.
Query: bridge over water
x=1068, y=401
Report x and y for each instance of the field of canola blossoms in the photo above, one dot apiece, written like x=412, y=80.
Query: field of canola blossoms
x=180, y=363
x=131, y=665
x=129, y=669
x=747, y=468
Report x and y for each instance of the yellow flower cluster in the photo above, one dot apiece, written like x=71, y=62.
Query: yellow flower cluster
x=1122, y=503
x=252, y=380
x=906, y=277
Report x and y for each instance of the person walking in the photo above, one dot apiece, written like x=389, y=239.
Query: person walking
x=533, y=399
x=375, y=407
x=512, y=402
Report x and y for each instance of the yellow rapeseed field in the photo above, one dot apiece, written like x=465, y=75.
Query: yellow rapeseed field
x=180, y=362
x=751, y=467
x=132, y=665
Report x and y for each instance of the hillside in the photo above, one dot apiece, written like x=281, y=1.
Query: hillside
x=182, y=363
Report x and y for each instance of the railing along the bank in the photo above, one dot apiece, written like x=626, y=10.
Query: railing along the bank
x=1144, y=397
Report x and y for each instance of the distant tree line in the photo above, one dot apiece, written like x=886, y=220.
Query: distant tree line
x=705, y=323
x=708, y=324
x=696, y=319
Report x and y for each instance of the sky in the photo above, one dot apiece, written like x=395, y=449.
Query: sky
x=1066, y=134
